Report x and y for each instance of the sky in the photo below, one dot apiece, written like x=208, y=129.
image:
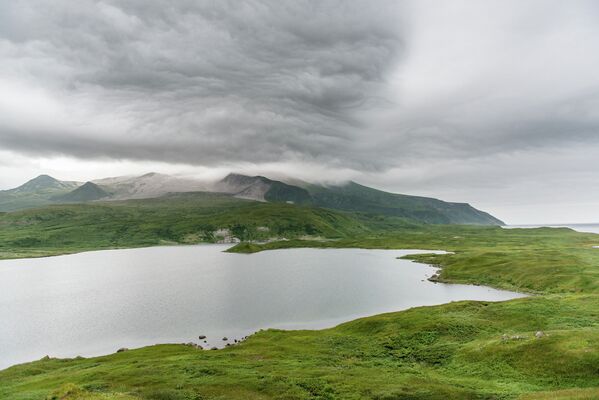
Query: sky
x=494, y=103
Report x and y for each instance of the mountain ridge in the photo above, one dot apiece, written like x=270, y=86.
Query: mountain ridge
x=348, y=197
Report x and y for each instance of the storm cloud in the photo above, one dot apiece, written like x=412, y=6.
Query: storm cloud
x=474, y=100
x=195, y=82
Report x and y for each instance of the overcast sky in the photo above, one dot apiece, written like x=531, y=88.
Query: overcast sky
x=495, y=103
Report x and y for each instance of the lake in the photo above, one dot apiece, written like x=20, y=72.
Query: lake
x=96, y=302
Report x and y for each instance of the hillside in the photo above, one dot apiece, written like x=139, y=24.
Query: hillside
x=261, y=188
x=175, y=218
x=356, y=197
x=37, y=192
x=148, y=186
x=87, y=192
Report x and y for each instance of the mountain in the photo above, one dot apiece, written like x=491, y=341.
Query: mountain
x=43, y=182
x=355, y=197
x=261, y=188
x=45, y=190
x=148, y=186
x=37, y=192
x=89, y=191
x=348, y=197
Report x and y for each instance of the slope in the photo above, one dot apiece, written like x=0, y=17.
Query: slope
x=37, y=192
x=89, y=191
x=147, y=186
x=261, y=188
x=175, y=218
x=356, y=197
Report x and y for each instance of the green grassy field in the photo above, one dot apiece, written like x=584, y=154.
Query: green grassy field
x=179, y=219
x=463, y=350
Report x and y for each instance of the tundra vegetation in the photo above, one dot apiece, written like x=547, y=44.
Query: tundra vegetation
x=540, y=347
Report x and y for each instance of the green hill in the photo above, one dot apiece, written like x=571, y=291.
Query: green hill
x=280, y=191
x=35, y=193
x=176, y=218
x=89, y=191
x=356, y=197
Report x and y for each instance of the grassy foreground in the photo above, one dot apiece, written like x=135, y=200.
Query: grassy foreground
x=463, y=350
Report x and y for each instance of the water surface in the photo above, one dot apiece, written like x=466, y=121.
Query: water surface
x=96, y=302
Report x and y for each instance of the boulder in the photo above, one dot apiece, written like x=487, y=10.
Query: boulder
x=539, y=334
x=122, y=349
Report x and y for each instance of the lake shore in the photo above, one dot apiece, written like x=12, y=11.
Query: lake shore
x=203, y=288
x=458, y=350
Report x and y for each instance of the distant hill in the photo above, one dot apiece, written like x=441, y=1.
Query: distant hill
x=37, y=192
x=42, y=183
x=348, y=197
x=89, y=191
x=355, y=197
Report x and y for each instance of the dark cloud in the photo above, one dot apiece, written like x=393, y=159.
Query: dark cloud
x=407, y=94
x=202, y=82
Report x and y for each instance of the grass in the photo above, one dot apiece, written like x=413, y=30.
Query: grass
x=184, y=218
x=449, y=351
x=461, y=350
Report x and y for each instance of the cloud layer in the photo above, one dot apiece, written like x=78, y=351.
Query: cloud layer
x=473, y=100
x=196, y=82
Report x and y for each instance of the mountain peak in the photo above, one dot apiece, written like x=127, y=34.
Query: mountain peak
x=239, y=179
x=89, y=191
x=43, y=178
x=39, y=183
